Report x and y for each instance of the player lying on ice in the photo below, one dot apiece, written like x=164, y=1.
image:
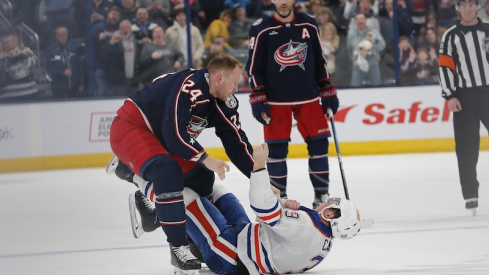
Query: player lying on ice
x=287, y=238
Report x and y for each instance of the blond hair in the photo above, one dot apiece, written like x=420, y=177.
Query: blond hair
x=335, y=40
x=225, y=63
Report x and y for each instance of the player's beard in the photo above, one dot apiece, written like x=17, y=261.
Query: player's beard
x=282, y=15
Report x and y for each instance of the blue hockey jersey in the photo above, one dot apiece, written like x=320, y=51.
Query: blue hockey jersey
x=286, y=59
x=179, y=107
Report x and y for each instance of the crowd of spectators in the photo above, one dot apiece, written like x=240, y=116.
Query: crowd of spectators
x=133, y=41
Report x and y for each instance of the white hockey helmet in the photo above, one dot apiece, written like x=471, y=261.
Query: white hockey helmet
x=348, y=224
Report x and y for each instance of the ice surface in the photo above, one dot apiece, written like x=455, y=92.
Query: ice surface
x=77, y=221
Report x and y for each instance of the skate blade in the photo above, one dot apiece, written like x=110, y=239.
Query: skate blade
x=474, y=211
x=178, y=271
x=114, y=161
x=366, y=223
x=137, y=228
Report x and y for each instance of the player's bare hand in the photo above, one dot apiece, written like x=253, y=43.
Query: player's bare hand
x=454, y=105
x=216, y=165
x=260, y=155
x=292, y=204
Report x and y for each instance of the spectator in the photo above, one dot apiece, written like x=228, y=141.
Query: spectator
x=195, y=11
x=230, y=4
x=407, y=56
x=102, y=32
x=425, y=69
x=431, y=43
x=314, y=5
x=122, y=51
x=159, y=57
x=264, y=8
x=421, y=9
x=159, y=12
x=300, y=7
x=364, y=45
x=99, y=10
x=404, y=21
x=218, y=46
x=484, y=12
x=59, y=13
x=239, y=28
x=16, y=67
x=323, y=16
x=365, y=7
x=338, y=11
x=177, y=34
x=330, y=42
x=218, y=27
x=431, y=22
x=143, y=28
x=128, y=10
x=63, y=65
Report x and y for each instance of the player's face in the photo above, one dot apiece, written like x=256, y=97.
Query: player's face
x=228, y=85
x=468, y=10
x=284, y=7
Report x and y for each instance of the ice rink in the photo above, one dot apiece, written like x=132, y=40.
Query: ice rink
x=77, y=221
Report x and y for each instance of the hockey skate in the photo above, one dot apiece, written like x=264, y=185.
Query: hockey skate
x=148, y=220
x=112, y=165
x=472, y=204
x=184, y=261
x=319, y=197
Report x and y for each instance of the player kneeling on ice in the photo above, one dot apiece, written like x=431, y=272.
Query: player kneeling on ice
x=288, y=238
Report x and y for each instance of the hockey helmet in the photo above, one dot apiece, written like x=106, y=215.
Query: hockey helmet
x=348, y=224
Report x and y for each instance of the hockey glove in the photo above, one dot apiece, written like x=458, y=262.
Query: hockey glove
x=329, y=98
x=259, y=106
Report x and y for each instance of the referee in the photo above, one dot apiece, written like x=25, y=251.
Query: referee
x=464, y=79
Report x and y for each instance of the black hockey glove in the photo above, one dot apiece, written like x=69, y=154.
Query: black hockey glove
x=259, y=106
x=329, y=98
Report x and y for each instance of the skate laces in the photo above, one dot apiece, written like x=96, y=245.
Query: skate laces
x=147, y=203
x=183, y=253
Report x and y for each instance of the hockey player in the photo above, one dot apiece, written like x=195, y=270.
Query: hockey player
x=463, y=72
x=287, y=238
x=155, y=133
x=288, y=77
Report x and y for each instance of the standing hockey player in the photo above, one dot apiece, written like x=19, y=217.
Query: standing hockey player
x=289, y=78
x=288, y=238
x=464, y=79
x=155, y=133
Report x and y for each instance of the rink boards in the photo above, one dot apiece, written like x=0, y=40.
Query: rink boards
x=75, y=134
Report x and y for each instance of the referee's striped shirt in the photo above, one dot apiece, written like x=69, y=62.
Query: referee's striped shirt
x=464, y=58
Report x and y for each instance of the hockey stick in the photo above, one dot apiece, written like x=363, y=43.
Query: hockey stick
x=364, y=223
x=331, y=119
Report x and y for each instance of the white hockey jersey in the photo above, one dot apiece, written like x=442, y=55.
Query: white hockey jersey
x=283, y=241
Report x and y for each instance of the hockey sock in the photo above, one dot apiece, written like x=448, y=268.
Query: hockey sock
x=277, y=165
x=319, y=165
x=168, y=181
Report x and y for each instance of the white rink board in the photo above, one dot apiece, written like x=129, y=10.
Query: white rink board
x=82, y=127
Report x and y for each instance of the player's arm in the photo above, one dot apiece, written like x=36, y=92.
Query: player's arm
x=257, y=57
x=227, y=125
x=446, y=67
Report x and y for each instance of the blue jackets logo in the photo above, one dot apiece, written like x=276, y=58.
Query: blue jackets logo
x=291, y=54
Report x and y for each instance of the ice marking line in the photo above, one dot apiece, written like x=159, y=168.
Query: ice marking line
x=79, y=251
x=424, y=230
x=166, y=245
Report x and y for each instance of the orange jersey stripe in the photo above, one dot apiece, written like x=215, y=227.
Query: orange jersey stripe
x=447, y=61
x=274, y=215
x=257, y=251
